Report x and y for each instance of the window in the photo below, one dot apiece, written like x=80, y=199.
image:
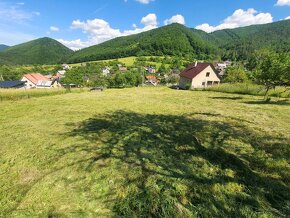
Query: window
x=203, y=84
x=207, y=74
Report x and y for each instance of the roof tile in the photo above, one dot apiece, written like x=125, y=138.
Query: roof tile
x=193, y=70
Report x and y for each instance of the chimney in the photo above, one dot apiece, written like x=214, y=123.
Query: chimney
x=195, y=64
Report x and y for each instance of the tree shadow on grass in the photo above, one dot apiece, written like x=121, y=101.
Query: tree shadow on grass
x=179, y=166
x=228, y=98
x=263, y=102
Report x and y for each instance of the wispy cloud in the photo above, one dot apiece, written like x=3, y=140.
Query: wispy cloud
x=283, y=3
x=144, y=1
x=54, y=29
x=15, y=13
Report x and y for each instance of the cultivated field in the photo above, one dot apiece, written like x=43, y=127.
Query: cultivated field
x=144, y=152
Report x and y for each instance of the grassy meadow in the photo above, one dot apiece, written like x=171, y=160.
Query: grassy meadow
x=145, y=152
x=127, y=61
x=250, y=89
x=17, y=94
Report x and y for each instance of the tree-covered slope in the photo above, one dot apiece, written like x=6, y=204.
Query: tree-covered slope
x=2, y=47
x=174, y=39
x=240, y=43
x=39, y=51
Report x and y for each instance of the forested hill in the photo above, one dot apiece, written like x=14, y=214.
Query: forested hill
x=173, y=40
x=176, y=39
x=240, y=43
x=39, y=51
x=2, y=47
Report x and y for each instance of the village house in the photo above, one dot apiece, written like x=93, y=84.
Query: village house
x=66, y=67
x=54, y=83
x=150, y=69
x=122, y=68
x=152, y=79
x=106, y=71
x=199, y=75
x=61, y=73
x=37, y=80
x=221, y=68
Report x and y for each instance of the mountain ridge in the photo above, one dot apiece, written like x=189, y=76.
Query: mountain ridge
x=174, y=40
x=236, y=44
x=39, y=51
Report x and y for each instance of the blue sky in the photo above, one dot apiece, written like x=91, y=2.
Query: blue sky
x=79, y=24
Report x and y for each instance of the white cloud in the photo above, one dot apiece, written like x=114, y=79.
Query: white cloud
x=239, y=18
x=36, y=13
x=99, y=31
x=144, y=1
x=283, y=3
x=287, y=18
x=75, y=44
x=175, y=19
x=149, y=20
x=54, y=29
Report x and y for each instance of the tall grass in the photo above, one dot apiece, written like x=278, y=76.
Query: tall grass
x=249, y=89
x=17, y=94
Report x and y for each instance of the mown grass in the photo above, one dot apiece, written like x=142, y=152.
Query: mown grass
x=144, y=152
x=17, y=94
x=250, y=89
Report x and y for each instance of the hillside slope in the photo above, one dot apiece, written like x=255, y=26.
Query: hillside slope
x=177, y=39
x=2, y=47
x=39, y=51
x=173, y=39
x=240, y=43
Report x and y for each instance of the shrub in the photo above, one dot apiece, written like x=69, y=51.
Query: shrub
x=249, y=89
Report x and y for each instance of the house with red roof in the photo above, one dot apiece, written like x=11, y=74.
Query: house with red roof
x=152, y=79
x=199, y=75
x=37, y=80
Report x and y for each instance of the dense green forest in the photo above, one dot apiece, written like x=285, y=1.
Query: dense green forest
x=241, y=43
x=39, y=51
x=173, y=40
x=178, y=40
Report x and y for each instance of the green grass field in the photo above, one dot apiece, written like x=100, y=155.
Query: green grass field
x=13, y=94
x=250, y=89
x=145, y=152
x=128, y=61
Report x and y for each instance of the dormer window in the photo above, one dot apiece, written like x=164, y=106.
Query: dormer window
x=207, y=74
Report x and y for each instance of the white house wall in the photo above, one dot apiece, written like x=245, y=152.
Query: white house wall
x=201, y=78
x=28, y=84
